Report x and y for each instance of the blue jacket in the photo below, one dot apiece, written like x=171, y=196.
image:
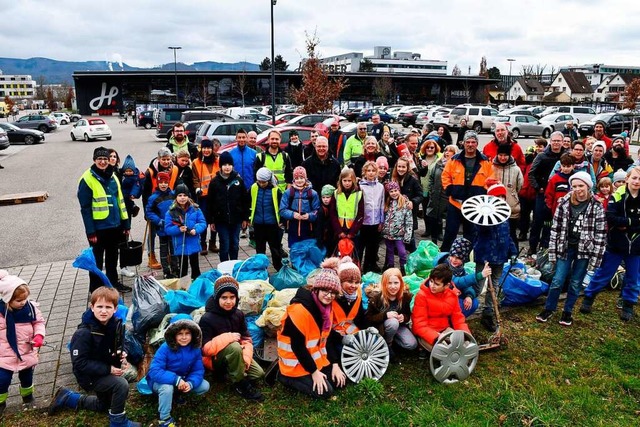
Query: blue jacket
x=185, y=243
x=624, y=230
x=494, y=244
x=303, y=201
x=243, y=161
x=265, y=211
x=157, y=208
x=466, y=283
x=132, y=184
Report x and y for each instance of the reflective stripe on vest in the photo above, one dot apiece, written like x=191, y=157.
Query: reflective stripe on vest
x=100, y=200
x=347, y=208
x=343, y=322
x=205, y=174
x=277, y=167
x=254, y=197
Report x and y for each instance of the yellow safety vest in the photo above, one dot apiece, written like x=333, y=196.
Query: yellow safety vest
x=254, y=197
x=100, y=201
x=347, y=207
x=277, y=167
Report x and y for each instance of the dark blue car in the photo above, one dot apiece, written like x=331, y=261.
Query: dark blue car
x=365, y=115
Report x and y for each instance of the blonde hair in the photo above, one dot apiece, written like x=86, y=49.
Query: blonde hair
x=347, y=172
x=394, y=174
x=402, y=201
x=22, y=290
x=385, y=297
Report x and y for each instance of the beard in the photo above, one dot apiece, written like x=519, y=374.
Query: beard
x=179, y=137
x=620, y=150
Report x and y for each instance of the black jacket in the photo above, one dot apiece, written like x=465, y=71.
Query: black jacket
x=411, y=188
x=216, y=321
x=227, y=200
x=296, y=154
x=376, y=314
x=322, y=172
x=541, y=168
x=618, y=162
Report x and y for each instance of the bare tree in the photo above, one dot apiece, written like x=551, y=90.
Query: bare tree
x=383, y=88
x=240, y=86
x=456, y=71
x=631, y=94
x=483, y=67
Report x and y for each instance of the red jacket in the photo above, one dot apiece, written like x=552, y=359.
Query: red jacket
x=433, y=313
x=491, y=151
x=557, y=187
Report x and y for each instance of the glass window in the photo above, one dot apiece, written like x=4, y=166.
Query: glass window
x=474, y=111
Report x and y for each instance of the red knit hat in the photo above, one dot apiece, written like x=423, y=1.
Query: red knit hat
x=497, y=190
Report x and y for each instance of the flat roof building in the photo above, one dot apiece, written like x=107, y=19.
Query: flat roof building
x=386, y=61
x=17, y=86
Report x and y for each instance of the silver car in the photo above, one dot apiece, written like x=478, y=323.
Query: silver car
x=556, y=121
x=225, y=132
x=522, y=125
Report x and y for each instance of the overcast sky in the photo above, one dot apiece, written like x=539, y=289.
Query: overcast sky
x=138, y=32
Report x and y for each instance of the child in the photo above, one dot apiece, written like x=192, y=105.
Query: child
x=299, y=207
x=465, y=284
x=494, y=246
x=184, y=222
x=373, y=196
x=605, y=189
x=383, y=170
x=347, y=310
x=156, y=211
x=227, y=345
x=132, y=181
x=347, y=207
x=558, y=184
x=398, y=226
x=177, y=365
x=622, y=245
x=577, y=244
x=390, y=312
x=21, y=334
x=409, y=187
x=228, y=205
x=507, y=172
x=619, y=178
x=185, y=174
x=324, y=232
x=436, y=309
x=98, y=362
x=265, y=215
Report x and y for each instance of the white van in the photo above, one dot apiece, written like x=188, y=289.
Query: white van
x=583, y=114
x=236, y=112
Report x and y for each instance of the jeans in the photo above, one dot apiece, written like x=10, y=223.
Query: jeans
x=571, y=265
x=269, y=233
x=402, y=252
x=111, y=393
x=474, y=306
x=165, y=396
x=106, y=249
x=229, y=240
x=609, y=266
x=230, y=360
x=394, y=331
x=454, y=219
x=25, y=376
x=540, y=234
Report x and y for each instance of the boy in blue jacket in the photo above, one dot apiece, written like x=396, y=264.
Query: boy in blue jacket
x=177, y=365
x=156, y=210
x=132, y=181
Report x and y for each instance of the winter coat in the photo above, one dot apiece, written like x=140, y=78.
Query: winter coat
x=184, y=243
x=337, y=141
x=438, y=201
x=157, y=208
x=424, y=179
x=185, y=176
x=624, y=230
x=296, y=153
x=131, y=184
x=410, y=187
x=300, y=201
x=174, y=146
x=465, y=283
x=541, y=168
x=322, y=172
x=373, y=195
x=359, y=162
x=244, y=160
x=603, y=169
x=557, y=187
x=24, y=336
x=619, y=162
x=453, y=178
x=433, y=313
x=94, y=349
x=353, y=148
x=376, y=314
x=582, y=166
x=527, y=191
x=491, y=151
x=592, y=242
x=228, y=201
x=494, y=244
x=173, y=362
x=398, y=223
x=151, y=179
x=510, y=175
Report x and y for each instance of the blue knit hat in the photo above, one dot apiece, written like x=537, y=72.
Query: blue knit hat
x=461, y=248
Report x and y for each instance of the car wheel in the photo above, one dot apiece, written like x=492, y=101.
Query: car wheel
x=43, y=128
x=515, y=132
x=147, y=125
x=86, y=138
x=108, y=138
x=29, y=139
x=477, y=127
x=63, y=122
x=74, y=119
x=73, y=137
x=546, y=133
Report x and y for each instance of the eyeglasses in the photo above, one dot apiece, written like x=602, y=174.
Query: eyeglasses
x=431, y=148
x=328, y=293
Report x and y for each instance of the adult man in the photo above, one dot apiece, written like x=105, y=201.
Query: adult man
x=295, y=149
x=276, y=160
x=378, y=127
x=179, y=140
x=461, y=131
x=502, y=138
x=570, y=131
x=599, y=135
x=244, y=158
x=310, y=148
x=541, y=168
x=322, y=167
x=336, y=141
x=416, y=161
x=355, y=144
x=252, y=141
x=617, y=156
x=463, y=176
x=104, y=215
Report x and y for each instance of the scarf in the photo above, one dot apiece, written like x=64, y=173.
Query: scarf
x=104, y=174
x=457, y=271
x=350, y=297
x=325, y=311
x=26, y=314
x=208, y=160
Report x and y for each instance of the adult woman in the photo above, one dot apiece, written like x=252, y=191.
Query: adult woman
x=205, y=167
x=437, y=207
x=388, y=148
x=369, y=154
x=429, y=154
x=581, y=162
x=409, y=187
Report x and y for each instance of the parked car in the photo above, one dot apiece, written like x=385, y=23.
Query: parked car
x=37, y=121
x=191, y=115
x=256, y=117
x=614, y=123
x=556, y=121
x=236, y=112
x=18, y=135
x=306, y=120
x=548, y=110
x=304, y=133
x=146, y=119
x=167, y=117
x=4, y=140
x=366, y=114
x=478, y=118
x=75, y=117
x=516, y=110
x=90, y=128
x=225, y=132
x=350, y=129
x=352, y=114
x=61, y=118
x=581, y=113
x=283, y=118
x=191, y=128
x=429, y=115
x=522, y=125
x=396, y=115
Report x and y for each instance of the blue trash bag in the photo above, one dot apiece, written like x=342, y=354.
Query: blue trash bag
x=87, y=261
x=253, y=268
x=256, y=332
x=516, y=291
x=133, y=347
x=287, y=277
x=202, y=288
x=181, y=302
x=370, y=278
x=121, y=312
x=143, y=387
x=305, y=256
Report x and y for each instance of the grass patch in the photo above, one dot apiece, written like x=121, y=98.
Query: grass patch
x=549, y=375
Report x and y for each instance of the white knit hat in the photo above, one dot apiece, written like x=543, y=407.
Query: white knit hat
x=620, y=175
x=582, y=176
x=8, y=285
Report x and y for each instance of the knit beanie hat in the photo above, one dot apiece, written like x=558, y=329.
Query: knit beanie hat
x=620, y=175
x=224, y=284
x=206, y=143
x=327, y=191
x=392, y=185
x=497, y=190
x=382, y=162
x=461, y=248
x=225, y=159
x=584, y=177
x=504, y=149
x=326, y=279
x=100, y=152
x=599, y=144
x=164, y=152
x=182, y=189
x=299, y=172
x=264, y=174
x=9, y=283
x=348, y=271
x=163, y=177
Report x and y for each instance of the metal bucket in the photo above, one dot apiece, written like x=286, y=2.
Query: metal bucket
x=130, y=253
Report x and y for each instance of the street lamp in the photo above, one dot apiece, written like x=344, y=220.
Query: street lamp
x=175, y=67
x=273, y=71
x=510, y=80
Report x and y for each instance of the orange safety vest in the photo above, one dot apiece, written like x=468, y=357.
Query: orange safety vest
x=315, y=340
x=205, y=173
x=154, y=178
x=342, y=322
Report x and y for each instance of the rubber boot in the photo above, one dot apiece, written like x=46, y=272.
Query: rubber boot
x=3, y=402
x=27, y=397
x=121, y=420
x=153, y=262
x=213, y=247
x=64, y=398
x=627, y=311
x=587, y=305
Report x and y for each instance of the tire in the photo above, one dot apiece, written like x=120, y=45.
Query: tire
x=108, y=138
x=74, y=119
x=477, y=127
x=29, y=139
x=63, y=122
x=86, y=138
x=43, y=128
x=515, y=132
x=147, y=125
x=546, y=133
x=73, y=137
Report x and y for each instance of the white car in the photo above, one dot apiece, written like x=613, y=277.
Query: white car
x=62, y=118
x=90, y=128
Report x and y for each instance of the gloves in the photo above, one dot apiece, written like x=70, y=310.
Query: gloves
x=38, y=340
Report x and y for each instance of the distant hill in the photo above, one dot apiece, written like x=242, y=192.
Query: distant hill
x=61, y=71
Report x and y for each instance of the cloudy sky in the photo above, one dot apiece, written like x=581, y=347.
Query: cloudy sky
x=138, y=32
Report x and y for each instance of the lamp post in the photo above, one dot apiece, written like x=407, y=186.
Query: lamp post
x=510, y=62
x=273, y=71
x=175, y=67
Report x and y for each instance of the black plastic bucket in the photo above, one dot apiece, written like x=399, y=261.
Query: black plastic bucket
x=130, y=253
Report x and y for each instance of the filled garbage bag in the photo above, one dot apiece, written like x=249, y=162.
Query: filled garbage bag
x=149, y=305
x=202, y=288
x=156, y=335
x=133, y=348
x=253, y=268
x=518, y=291
x=370, y=278
x=256, y=332
x=182, y=302
x=287, y=277
x=423, y=259
x=281, y=298
x=545, y=266
x=271, y=320
x=305, y=256
x=251, y=294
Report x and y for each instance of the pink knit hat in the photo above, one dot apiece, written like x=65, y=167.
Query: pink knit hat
x=299, y=172
x=382, y=161
x=328, y=280
x=8, y=285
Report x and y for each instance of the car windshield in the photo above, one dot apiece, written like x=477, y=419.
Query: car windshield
x=96, y=121
x=10, y=126
x=501, y=119
x=603, y=116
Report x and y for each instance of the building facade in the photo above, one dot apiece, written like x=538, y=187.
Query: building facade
x=386, y=61
x=597, y=73
x=17, y=86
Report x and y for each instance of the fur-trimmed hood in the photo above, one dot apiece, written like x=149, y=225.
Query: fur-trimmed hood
x=175, y=327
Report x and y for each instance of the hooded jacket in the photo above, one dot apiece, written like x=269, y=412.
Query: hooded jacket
x=25, y=331
x=244, y=159
x=173, y=362
x=624, y=229
x=228, y=201
x=131, y=184
x=184, y=243
x=174, y=146
x=433, y=313
x=510, y=175
x=157, y=208
x=373, y=195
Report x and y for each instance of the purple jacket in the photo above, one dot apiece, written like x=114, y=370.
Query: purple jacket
x=373, y=195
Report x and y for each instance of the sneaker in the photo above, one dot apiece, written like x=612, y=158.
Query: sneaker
x=544, y=315
x=488, y=323
x=169, y=422
x=247, y=391
x=566, y=319
x=124, y=271
x=122, y=288
x=423, y=354
x=587, y=304
x=619, y=303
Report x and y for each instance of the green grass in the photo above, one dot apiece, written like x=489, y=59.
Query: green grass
x=549, y=375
